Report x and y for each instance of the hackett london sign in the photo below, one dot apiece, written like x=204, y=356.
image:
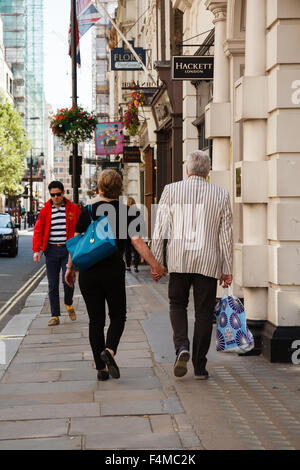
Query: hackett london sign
x=192, y=67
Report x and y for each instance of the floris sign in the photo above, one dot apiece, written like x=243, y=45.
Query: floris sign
x=192, y=67
x=123, y=59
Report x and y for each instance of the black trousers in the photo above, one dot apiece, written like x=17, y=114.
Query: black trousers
x=128, y=255
x=204, y=290
x=96, y=288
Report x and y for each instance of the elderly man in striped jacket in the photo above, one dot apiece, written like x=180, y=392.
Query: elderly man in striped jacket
x=195, y=217
x=55, y=225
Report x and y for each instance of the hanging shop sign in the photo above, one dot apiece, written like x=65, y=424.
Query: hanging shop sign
x=193, y=67
x=123, y=59
x=111, y=166
x=131, y=155
x=109, y=138
x=162, y=109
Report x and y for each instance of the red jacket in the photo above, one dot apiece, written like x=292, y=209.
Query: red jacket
x=42, y=227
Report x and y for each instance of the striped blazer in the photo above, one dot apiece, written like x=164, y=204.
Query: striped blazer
x=195, y=217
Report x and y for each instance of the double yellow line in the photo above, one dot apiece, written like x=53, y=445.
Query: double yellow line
x=21, y=292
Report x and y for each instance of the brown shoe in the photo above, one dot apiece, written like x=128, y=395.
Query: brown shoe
x=71, y=312
x=54, y=321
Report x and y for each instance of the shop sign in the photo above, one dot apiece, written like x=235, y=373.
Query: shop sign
x=123, y=59
x=109, y=138
x=162, y=109
x=131, y=155
x=193, y=67
x=111, y=166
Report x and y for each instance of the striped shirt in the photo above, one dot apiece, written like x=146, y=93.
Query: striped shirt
x=58, y=230
x=195, y=217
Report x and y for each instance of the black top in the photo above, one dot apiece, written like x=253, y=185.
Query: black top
x=119, y=221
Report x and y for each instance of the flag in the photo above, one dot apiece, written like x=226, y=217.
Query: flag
x=78, y=61
x=87, y=16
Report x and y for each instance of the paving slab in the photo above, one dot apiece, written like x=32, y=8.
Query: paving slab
x=110, y=425
x=51, y=387
x=61, y=443
x=40, y=340
x=161, y=423
x=131, y=383
x=117, y=440
x=46, y=398
x=14, y=413
x=134, y=407
x=113, y=396
x=19, y=376
x=30, y=358
x=33, y=428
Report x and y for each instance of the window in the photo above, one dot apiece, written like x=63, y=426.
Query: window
x=203, y=143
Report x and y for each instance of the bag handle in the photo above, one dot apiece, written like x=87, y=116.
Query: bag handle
x=229, y=291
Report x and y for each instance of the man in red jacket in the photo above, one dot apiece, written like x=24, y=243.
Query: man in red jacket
x=55, y=225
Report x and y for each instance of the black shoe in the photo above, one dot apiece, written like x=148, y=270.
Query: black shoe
x=201, y=375
x=136, y=270
x=102, y=375
x=182, y=358
x=111, y=364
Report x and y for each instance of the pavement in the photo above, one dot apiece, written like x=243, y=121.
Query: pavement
x=50, y=398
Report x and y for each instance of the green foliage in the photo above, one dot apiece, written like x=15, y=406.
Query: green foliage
x=14, y=147
x=73, y=125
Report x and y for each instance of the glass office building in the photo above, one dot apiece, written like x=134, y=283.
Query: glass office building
x=23, y=32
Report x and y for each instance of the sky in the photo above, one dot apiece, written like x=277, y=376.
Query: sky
x=57, y=63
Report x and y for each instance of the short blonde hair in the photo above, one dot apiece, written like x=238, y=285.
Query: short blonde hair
x=110, y=184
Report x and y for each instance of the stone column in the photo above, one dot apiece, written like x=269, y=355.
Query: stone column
x=251, y=109
x=281, y=333
x=217, y=119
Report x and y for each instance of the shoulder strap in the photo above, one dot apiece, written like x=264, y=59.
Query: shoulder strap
x=90, y=212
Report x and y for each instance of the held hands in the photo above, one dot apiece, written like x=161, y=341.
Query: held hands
x=226, y=279
x=157, y=271
x=70, y=277
x=37, y=257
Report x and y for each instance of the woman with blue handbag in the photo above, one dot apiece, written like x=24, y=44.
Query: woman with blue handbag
x=102, y=272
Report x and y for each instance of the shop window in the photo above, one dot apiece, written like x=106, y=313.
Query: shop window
x=203, y=143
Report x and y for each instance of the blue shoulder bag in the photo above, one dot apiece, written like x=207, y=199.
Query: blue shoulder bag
x=94, y=245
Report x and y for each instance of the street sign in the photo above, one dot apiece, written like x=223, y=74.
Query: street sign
x=192, y=67
x=123, y=59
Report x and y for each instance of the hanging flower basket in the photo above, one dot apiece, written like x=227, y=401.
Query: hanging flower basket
x=73, y=125
x=130, y=117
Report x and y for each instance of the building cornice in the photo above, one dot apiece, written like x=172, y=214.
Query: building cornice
x=218, y=8
x=234, y=47
x=181, y=5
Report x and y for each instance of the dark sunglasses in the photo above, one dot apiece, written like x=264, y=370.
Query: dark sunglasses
x=55, y=194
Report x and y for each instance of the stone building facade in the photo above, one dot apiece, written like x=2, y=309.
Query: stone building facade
x=248, y=119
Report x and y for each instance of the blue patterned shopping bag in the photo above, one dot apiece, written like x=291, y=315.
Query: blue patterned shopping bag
x=232, y=335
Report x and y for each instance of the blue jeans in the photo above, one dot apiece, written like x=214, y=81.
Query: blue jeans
x=56, y=260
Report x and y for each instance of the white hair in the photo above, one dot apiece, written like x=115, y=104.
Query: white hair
x=198, y=163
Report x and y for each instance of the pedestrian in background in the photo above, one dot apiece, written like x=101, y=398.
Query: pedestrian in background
x=105, y=280
x=197, y=216
x=55, y=225
x=129, y=249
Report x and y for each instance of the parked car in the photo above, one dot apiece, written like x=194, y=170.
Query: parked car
x=9, y=236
